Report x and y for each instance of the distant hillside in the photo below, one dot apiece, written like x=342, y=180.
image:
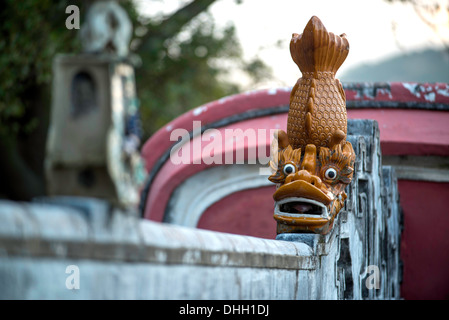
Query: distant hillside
x=423, y=66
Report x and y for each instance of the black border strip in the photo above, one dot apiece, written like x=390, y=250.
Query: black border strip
x=410, y=105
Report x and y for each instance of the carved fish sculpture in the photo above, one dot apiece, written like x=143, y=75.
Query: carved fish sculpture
x=313, y=162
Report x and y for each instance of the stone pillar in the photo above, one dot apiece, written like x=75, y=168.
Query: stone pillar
x=92, y=148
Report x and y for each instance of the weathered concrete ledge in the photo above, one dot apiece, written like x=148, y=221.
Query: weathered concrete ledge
x=122, y=257
x=55, y=231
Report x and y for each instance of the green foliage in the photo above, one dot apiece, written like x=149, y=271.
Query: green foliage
x=184, y=72
x=31, y=33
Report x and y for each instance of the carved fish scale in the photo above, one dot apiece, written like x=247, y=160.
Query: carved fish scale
x=317, y=101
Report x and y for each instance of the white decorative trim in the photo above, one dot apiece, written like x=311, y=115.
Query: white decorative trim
x=199, y=192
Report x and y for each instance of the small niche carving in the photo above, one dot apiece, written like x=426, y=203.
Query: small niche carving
x=83, y=94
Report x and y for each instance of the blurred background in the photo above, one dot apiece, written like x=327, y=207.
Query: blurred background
x=190, y=52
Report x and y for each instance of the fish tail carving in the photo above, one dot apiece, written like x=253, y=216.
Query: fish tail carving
x=317, y=102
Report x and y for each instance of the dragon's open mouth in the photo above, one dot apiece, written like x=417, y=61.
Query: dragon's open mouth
x=301, y=207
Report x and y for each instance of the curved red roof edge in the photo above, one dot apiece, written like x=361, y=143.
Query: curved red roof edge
x=412, y=125
x=171, y=175
x=210, y=112
x=419, y=94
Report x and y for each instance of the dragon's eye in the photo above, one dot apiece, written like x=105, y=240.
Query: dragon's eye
x=289, y=168
x=330, y=174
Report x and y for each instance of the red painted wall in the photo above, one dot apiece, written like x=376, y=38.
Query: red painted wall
x=237, y=214
x=425, y=241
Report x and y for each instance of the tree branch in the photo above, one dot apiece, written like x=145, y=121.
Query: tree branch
x=173, y=24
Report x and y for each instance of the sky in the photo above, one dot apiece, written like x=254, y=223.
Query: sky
x=368, y=25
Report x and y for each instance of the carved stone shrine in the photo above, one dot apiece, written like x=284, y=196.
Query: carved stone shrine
x=94, y=135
